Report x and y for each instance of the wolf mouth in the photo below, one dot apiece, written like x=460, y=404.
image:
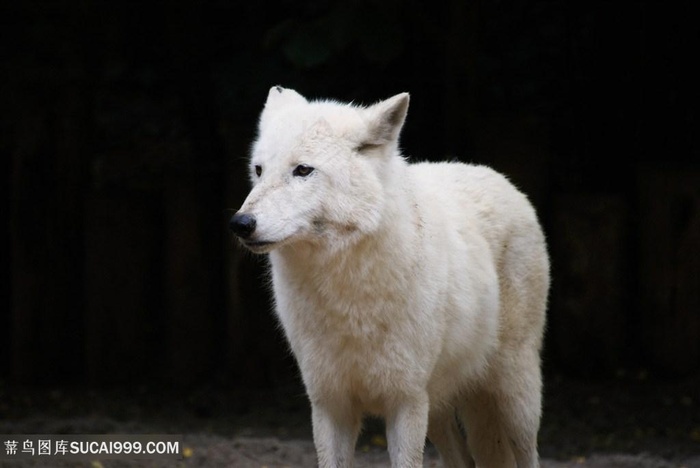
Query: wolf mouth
x=258, y=246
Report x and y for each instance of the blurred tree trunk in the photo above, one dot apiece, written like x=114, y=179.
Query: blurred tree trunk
x=669, y=267
x=589, y=298
x=195, y=222
x=191, y=336
x=9, y=122
x=122, y=288
x=46, y=218
x=235, y=193
x=461, y=77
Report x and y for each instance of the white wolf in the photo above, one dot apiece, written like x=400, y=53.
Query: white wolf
x=415, y=292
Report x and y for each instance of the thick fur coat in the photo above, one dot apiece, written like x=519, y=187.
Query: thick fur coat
x=415, y=292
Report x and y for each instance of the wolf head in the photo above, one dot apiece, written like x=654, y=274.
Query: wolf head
x=319, y=171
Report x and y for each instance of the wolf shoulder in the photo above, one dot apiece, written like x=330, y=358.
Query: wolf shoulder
x=457, y=179
x=476, y=202
x=470, y=187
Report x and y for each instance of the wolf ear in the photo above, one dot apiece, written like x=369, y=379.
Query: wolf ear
x=279, y=97
x=386, y=119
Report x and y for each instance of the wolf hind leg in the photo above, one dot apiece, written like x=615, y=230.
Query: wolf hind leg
x=520, y=404
x=486, y=438
x=446, y=435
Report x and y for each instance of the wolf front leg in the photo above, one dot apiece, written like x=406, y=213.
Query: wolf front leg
x=335, y=429
x=407, y=426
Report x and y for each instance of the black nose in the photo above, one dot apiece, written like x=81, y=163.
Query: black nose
x=242, y=225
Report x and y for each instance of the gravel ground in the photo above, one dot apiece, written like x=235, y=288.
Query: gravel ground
x=625, y=422
x=211, y=450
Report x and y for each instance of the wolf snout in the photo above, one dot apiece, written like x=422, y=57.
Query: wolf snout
x=242, y=225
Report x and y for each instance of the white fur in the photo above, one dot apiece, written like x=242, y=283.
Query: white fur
x=416, y=292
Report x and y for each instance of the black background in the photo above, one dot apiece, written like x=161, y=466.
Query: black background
x=125, y=127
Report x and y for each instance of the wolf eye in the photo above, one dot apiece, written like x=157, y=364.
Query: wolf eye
x=302, y=170
x=366, y=147
x=258, y=170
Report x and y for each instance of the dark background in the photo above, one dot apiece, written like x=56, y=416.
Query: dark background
x=125, y=128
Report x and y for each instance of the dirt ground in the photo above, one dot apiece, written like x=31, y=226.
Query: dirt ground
x=629, y=421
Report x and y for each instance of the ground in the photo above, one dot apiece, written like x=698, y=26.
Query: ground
x=629, y=421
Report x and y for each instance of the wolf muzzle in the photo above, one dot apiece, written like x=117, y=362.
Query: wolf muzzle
x=242, y=225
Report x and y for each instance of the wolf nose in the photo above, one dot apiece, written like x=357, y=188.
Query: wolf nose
x=242, y=225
